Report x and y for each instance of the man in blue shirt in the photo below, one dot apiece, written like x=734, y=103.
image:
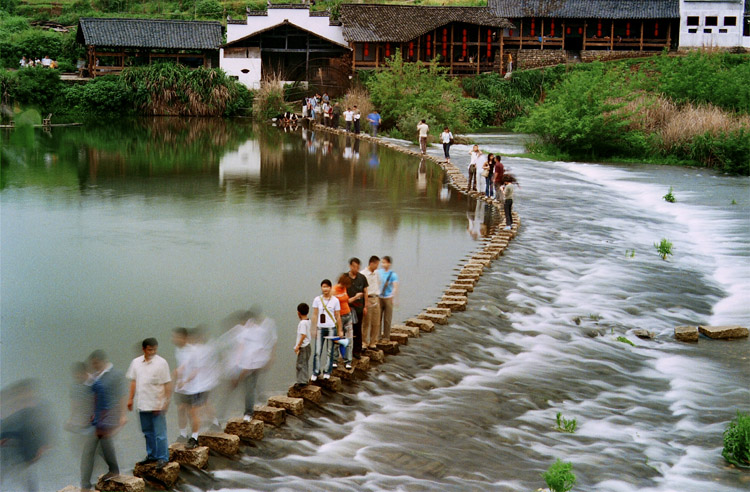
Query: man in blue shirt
x=388, y=294
x=374, y=119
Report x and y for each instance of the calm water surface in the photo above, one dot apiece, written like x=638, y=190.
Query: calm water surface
x=109, y=235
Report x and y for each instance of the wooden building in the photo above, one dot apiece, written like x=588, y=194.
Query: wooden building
x=463, y=39
x=579, y=25
x=113, y=44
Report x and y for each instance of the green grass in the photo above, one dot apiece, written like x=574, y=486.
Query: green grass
x=565, y=425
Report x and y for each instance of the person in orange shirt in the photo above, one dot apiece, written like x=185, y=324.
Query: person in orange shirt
x=339, y=290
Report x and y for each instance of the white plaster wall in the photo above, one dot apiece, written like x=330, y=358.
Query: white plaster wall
x=299, y=17
x=730, y=8
x=234, y=66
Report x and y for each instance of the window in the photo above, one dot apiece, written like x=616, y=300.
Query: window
x=730, y=21
x=746, y=28
x=707, y=31
x=693, y=20
x=722, y=31
x=693, y=30
x=712, y=21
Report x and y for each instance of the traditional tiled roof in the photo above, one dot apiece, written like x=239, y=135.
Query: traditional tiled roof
x=588, y=9
x=401, y=23
x=150, y=33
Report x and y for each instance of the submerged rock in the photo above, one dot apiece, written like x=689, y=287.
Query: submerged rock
x=644, y=334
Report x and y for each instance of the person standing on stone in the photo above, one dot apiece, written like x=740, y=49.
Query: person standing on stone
x=508, y=188
x=447, y=139
x=339, y=290
x=108, y=387
x=423, y=130
x=357, y=292
x=497, y=179
x=356, y=116
x=302, y=345
x=325, y=325
x=487, y=174
x=388, y=295
x=475, y=155
x=371, y=326
x=348, y=119
x=335, y=115
x=151, y=385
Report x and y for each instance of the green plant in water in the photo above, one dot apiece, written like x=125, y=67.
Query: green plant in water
x=737, y=441
x=595, y=317
x=664, y=248
x=734, y=202
x=630, y=253
x=559, y=476
x=565, y=425
x=669, y=196
x=625, y=340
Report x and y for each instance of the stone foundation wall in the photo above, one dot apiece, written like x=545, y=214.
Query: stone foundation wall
x=606, y=55
x=539, y=58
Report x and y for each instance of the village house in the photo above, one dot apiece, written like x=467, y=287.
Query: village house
x=113, y=44
x=288, y=41
x=715, y=23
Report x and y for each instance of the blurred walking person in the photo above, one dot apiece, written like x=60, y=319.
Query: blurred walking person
x=108, y=387
x=151, y=385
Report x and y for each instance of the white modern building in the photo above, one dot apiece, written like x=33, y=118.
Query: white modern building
x=714, y=24
x=288, y=40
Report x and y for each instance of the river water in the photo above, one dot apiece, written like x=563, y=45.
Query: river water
x=114, y=233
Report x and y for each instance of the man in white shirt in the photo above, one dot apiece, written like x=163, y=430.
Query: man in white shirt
x=371, y=324
x=423, y=131
x=325, y=325
x=46, y=61
x=348, y=118
x=151, y=384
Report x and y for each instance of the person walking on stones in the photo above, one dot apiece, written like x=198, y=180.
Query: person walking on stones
x=302, y=345
x=475, y=155
x=325, y=325
x=357, y=292
x=497, y=179
x=374, y=120
x=151, y=385
x=356, y=116
x=371, y=326
x=108, y=387
x=255, y=341
x=339, y=290
x=447, y=139
x=388, y=295
x=508, y=189
x=422, y=131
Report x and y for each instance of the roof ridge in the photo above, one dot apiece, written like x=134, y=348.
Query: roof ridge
x=151, y=20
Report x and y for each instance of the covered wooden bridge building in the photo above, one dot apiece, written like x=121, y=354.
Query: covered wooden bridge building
x=113, y=44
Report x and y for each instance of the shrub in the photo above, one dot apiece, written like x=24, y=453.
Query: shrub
x=737, y=441
x=565, y=425
x=268, y=101
x=208, y=8
x=361, y=98
x=559, y=476
x=8, y=85
x=669, y=197
x=664, y=248
x=479, y=112
x=38, y=87
x=106, y=95
x=401, y=90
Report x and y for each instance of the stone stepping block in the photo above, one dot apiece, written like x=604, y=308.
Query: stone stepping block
x=471, y=275
x=411, y=331
x=361, y=364
x=332, y=384
x=245, y=430
x=455, y=292
x=686, y=333
x=121, y=483
x=308, y=392
x=477, y=261
x=165, y=476
x=473, y=267
x=220, y=442
x=483, y=256
x=400, y=338
x=389, y=348
x=374, y=355
x=453, y=304
x=197, y=457
x=465, y=286
x=295, y=406
x=421, y=323
x=438, y=319
x=344, y=373
x=437, y=310
x=644, y=334
x=724, y=332
x=465, y=283
x=270, y=415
